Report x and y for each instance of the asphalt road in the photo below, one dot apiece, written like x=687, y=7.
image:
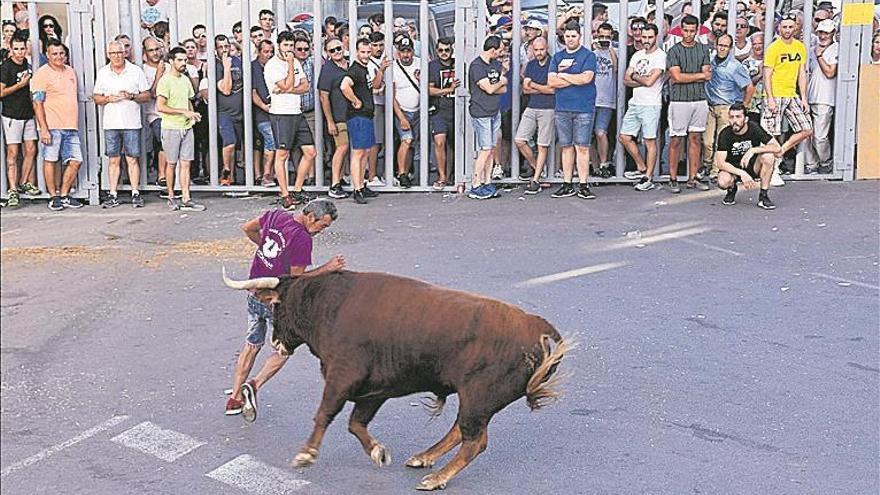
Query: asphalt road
x=722, y=349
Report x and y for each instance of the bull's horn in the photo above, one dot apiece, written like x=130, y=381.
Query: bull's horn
x=256, y=283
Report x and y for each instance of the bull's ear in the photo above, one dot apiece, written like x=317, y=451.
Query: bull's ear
x=268, y=297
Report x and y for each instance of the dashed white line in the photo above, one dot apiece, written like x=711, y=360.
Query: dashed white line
x=579, y=272
x=846, y=281
x=246, y=473
x=106, y=425
x=148, y=438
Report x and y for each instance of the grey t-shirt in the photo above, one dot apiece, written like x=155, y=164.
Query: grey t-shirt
x=606, y=80
x=691, y=61
x=482, y=103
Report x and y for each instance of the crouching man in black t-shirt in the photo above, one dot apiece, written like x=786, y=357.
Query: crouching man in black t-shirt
x=745, y=151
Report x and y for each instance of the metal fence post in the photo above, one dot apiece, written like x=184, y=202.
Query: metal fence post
x=388, y=10
x=134, y=26
x=619, y=152
x=172, y=22
x=317, y=50
x=515, y=71
x=550, y=165
x=247, y=102
x=212, y=95
x=424, y=142
x=35, y=64
x=82, y=49
x=461, y=93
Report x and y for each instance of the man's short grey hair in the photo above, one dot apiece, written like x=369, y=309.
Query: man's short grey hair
x=320, y=208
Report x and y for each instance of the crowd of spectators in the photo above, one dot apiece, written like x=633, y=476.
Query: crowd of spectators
x=683, y=94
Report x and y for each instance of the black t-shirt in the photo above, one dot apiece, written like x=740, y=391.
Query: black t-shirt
x=442, y=76
x=363, y=89
x=231, y=105
x=17, y=105
x=482, y=103
x=330, y=81
x=737, y=145
x=258, y=84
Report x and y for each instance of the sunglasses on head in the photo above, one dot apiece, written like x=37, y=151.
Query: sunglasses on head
x=638, y=27
x=334, y=49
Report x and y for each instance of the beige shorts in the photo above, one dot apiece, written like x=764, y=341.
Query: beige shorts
x=540, y=120
x=341, y=137
x=17, y=131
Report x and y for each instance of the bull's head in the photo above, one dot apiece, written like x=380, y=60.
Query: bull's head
x=264, y=287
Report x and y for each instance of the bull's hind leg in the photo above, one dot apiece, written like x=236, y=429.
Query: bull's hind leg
x=430, y=456
x=363, y=413
x=335, y=395
x=474, y=438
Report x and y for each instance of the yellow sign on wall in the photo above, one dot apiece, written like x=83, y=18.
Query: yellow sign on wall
x=858, y=14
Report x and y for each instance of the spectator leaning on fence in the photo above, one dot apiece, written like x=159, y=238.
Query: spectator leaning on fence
x=442, y=85
x=154, y=68
x=406, y=106
x=55, y=104
x=754, y=65
x=261, y=100
x=379, y=63
x=120, y=87
x=572, y=73
x=606, y=94
x=173, y=100
x=486, y=83
x=19, y=127
x=335, y=110
x=538, y=118
x=645, y=75
x=821, y=90
x=357, y=88
x=230, y=105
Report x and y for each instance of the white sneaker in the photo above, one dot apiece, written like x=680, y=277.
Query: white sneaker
x=376, y=182
x=644, y=185
x=776, y=180
x=633, y=175
x=497, y=172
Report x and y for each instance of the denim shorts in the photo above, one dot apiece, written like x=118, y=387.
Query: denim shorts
x=119, y=140
x=603, y=119
x=574, y=129
x=361, y=133
x=641, y=117
x=259, y=321
x=487, y=130
x=265, y=130
x=413, y=132
x=65, y=145
x=231, y=131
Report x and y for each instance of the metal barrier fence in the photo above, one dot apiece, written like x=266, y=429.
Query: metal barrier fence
x=88, y=28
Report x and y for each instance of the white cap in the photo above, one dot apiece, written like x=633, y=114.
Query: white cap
x=826, y=26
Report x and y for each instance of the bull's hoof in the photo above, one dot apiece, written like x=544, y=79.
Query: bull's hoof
x=380, y=455
x=431, y=482
x=305, y=459
x=418, y=462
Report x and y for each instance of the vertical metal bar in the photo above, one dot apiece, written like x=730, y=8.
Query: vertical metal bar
x=388, y=9
x=424, y=143
x=769, y=25
x=172, y=22
x=800, y=160
x=660, y=21
x=124, y=12
x=352, y=29
x=281, y=16
x=212, y=95
x=550, y=166
x=317, y=50
x=515, y=102
x=732, y=13
x=619, y=159
x=460, y=109
x=855, y=47
x=133, y=25
x=248, y=105
x=101, y=42
x=35, y=64
x=82, y=49
x=587, y=20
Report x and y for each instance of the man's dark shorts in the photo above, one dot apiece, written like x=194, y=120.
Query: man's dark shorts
x=291, y=131
x=443, y=123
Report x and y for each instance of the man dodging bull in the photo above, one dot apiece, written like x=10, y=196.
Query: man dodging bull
x=442, y=341
x=284, y=247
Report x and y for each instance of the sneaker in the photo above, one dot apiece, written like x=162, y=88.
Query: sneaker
x=404, y=181
x=249, y=394
x=288, y=203
x=369, y=193
x=822, y=169
x=345, y=181
x=764, y=201
x=12, y=200
x=633, y=174
x=702, y=173
x=234, y=406
x=533, y=188
x=337, y=192
x=584, y=192
x=164, y=194
x=55, y=203
x=673, y=187
x=776, y=179
x=527, y=174
x=697, y=184
x=267, y=181
x=137, y=201
x=480, y=192
x=29, y=189
x=360, y=197
x=161, y=182
x=564, y=191
x=112, y=201
x=376, y=182
x=497, y=172
x=301, y=197
x=201, y=180
x=730, y=197
x=644, y=185
x=191, y=206
x=439, y=185
x=173, y=204
x=72, y=203
x=605, y=172
x=493, y=190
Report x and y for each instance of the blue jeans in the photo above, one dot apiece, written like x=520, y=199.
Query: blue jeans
x=574, y=128
x=65, y=145
x=602, y=119
x=487, y=129
x=265, y=130
x=119, y=140
x=413, y=132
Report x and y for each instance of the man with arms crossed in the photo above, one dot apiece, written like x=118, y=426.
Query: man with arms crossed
x=745, y=151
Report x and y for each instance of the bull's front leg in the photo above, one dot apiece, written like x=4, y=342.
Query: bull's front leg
x=331, y=403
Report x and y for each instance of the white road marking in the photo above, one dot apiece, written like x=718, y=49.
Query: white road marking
x=253, y=476
x=148, y=438
x=106, y=425
x=556, y=277
x=693, y=196
x=714, y=248
x=847, y=281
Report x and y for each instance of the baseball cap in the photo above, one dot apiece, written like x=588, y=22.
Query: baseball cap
x=826, y=26
x=534, y=24
x=503, y=21
x=403, y=42
x=301, y=17
x=399, y=22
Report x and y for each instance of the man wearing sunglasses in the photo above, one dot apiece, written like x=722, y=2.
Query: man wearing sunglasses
x=742, y=45
x=442, y=85
x=334, y=108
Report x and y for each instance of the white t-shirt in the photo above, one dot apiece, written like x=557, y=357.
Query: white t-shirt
x=405, y=93
x=125, y=114
x=744, y=51
x=820, y=89
x=283, y=103
x=149, y=107
x=372, y=69
x=642, y=64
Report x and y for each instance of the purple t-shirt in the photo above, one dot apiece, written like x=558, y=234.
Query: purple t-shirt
x=284, y=243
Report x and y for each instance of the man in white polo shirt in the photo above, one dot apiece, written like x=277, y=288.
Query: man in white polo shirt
x=120, y=87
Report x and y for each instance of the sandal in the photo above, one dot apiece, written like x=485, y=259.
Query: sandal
x=439, y=185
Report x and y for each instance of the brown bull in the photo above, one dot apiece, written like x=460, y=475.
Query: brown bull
x=373, y=348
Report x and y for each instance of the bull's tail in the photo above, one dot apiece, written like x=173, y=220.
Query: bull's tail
x=543, y=386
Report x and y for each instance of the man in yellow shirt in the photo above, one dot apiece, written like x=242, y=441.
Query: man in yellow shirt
x=785, y=87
